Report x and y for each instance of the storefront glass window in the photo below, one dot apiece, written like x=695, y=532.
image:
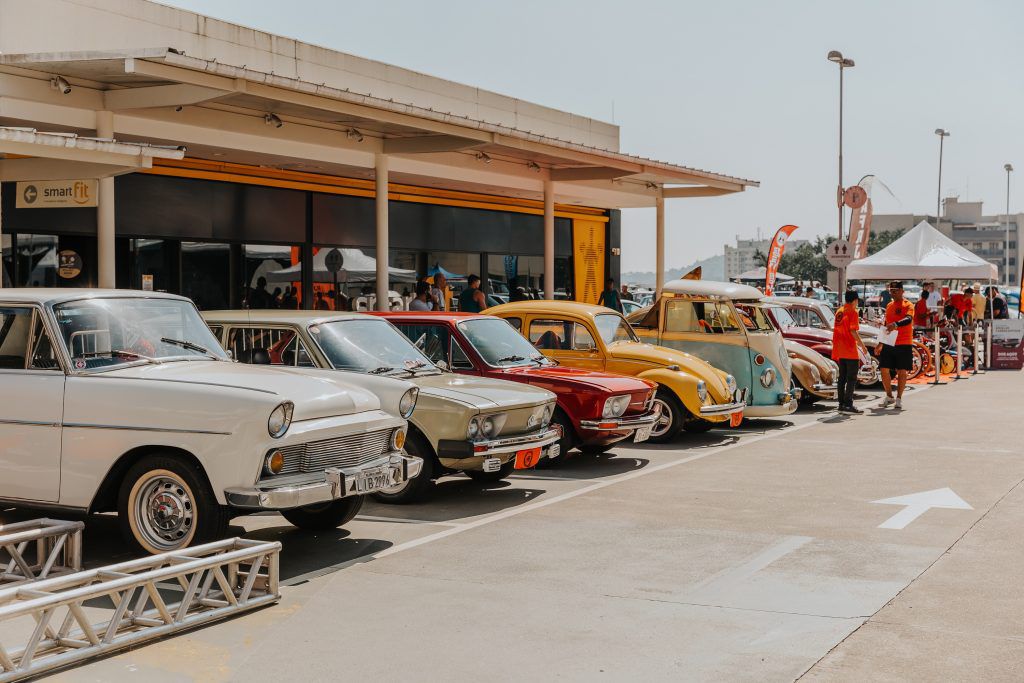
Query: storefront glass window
x=271, y=276
x=7, y=252
x=154, y=265
x=37, y=261
x=205, y=274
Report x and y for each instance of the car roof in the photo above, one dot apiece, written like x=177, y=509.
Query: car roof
x=796, y=300
x=56, y=295
x=280, y=317
x=731, y=290
x=445, y=316
x=552, y=307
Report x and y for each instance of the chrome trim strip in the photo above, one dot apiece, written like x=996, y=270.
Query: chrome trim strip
x=79, y=425
x=622, y=422
x=33, y=423
x=724, y=408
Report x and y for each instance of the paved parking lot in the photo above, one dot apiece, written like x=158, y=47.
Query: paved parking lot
x=761, y=553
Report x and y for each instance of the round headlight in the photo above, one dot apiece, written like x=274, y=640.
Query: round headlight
x=398, y=440
x=615, y=406
x=408, y=403
x=473, y=431
x=730, y=384
x=487, y=427
x=767, y=377
x=280, y=419
x=274, y=463
x=702, y=390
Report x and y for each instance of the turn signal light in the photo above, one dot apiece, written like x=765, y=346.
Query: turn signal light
x=275, y=462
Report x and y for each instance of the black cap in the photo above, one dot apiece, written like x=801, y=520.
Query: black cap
x=850, y=296
x=898, y=284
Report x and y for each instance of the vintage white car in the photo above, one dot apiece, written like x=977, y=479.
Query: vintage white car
x=482, y=427
x=123, y=400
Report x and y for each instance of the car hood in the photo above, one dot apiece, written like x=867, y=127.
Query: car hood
x=592, y=379
x=664, y=356
x=315, y=394
x=798, y=350
x=481, y=393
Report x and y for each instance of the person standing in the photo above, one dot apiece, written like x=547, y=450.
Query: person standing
x=847, y=348
x=624, y=294
x=439, y=293
x=979, y=301
x=472, y=299
x=610, y=297
x=899, y=317
x=421, y=302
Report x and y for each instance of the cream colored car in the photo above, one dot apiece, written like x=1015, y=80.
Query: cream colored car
x=482, y=427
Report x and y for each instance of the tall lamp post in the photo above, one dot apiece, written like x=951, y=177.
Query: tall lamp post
x=836, y=57
x=1006, y=247
x=943, y=134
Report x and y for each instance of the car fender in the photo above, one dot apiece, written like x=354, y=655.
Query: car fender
x=682, y=384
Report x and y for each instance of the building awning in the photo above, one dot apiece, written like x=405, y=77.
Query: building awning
x=145, y=79
x=27, y=154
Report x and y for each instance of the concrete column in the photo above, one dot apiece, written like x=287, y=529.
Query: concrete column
x=383, y=245
x=105, y=230
x=659, y=246
x=549, y=239
x=1, y=238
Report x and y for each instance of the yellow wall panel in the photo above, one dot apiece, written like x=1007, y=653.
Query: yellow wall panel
x=588, y=246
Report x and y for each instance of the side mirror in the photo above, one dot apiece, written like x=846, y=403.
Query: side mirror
x=441, y=364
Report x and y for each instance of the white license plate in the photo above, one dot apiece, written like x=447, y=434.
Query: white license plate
x=492, y=464
x=642, y=434
x=373, y=479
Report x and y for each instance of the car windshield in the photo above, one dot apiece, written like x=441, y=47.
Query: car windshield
x=499, y=344
x=369, y=345
x=754, y=319
x=614, y=328
x=100, y=334
x=827, y=315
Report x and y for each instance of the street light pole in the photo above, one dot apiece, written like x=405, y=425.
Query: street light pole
x=836, y=57
x=943, y=134
x=1006, y=247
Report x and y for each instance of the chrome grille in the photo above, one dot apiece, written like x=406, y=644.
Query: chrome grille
x=343, y=451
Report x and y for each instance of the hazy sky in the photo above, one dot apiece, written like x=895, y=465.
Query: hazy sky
x=741, y=88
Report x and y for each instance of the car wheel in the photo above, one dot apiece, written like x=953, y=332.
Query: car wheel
x=673, y=416
x=490, y=477
x=324, y=516
x=420, y=487
x=165, y=504
x=868, y=377
x=597, y=450
x=568, y=440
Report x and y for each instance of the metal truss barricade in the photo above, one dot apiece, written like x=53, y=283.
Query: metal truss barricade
x=39, y=549
x=95, y=612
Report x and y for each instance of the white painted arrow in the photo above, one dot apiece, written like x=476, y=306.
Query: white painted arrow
x=919, y=503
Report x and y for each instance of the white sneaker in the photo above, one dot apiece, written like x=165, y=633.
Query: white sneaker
x=888, y=401
x=899, y=404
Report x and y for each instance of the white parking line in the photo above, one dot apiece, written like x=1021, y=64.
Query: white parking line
x=401, y=520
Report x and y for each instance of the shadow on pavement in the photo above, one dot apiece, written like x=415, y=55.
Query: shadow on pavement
x=305, y=552
x=456, y=498
x=579, y=467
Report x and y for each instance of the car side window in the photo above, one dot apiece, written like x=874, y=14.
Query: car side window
x=551, y=335
x=44, y=356
x=582, y=340
x=15, y=326
x=516, y=323
x=432, y=340
x=268, y=346
x=703, y=317
x=218, y=331
x=459, y=360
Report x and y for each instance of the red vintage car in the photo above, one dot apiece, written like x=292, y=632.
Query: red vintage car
x=595, y=409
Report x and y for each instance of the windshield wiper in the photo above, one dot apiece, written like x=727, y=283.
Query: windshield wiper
x=189, y=345
x=510, y=359
x=132, y=354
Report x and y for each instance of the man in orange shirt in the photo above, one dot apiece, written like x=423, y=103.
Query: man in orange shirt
x=846, y=350
x=899, y=316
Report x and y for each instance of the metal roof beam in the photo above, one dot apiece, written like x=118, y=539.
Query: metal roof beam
x=426, y=144
x=51, y=169
x=587, y=173
x=680, y=192
x=159, y=96
x=78, y=154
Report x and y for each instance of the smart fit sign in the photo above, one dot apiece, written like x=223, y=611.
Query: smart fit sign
x=56, y=194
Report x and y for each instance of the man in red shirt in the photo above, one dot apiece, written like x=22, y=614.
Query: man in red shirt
x=899, y=316
x=846, y=350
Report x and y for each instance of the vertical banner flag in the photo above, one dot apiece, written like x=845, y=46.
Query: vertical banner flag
x=860, y=222
x=775, y=255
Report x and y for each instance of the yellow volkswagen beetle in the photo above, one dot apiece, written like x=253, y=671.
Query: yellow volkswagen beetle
x=692, y=394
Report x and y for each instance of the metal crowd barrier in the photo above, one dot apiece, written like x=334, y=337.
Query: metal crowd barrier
x=95, y=612
x=39, y=549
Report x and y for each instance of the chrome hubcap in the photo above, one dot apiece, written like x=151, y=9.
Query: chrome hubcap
x=165, y=511
x=664, y=421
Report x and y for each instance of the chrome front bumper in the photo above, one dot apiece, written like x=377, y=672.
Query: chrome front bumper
x=828, y=390
x=618, y=424
x=460, y=450
x=335, y=485
x=738, y=405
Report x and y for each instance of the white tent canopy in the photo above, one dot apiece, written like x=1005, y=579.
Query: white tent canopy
x=357, y=267
x=922, y=253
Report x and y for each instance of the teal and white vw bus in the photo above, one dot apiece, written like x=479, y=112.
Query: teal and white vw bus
x=724, y=324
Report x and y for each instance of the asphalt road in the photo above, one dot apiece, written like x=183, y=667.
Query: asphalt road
x=762, y=553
